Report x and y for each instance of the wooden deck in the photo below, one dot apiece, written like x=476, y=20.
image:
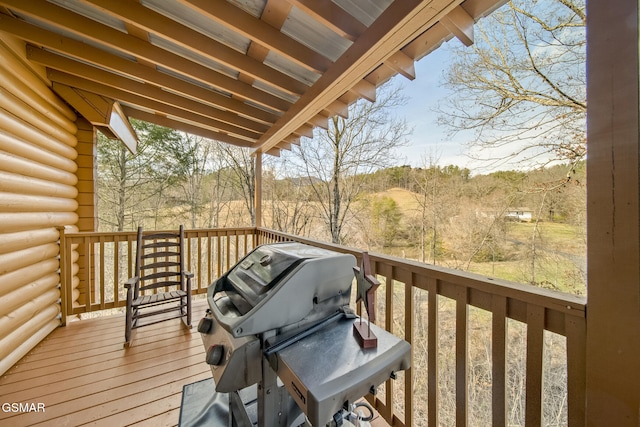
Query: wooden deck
x=84, y=376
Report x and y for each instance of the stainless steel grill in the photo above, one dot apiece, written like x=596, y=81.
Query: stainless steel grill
x=278, y=336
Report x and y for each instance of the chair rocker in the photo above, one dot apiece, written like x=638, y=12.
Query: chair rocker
x=159, y=268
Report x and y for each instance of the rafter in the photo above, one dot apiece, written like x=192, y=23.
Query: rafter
x=332, y=16
x=185, y=127
x=460, y=23
x=402, y=64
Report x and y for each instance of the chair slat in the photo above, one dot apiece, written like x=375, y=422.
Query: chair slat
x=155, y=255
x=157, y=236
x=165, y=265
x=157, y=285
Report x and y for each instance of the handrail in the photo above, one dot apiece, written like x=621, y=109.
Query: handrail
x=433, y=296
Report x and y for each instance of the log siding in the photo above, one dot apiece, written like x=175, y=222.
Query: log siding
x=38, y=194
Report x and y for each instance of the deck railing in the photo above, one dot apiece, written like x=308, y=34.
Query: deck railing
x=483, y=350
x=94, y=266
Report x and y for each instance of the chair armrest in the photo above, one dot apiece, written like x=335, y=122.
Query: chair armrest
x=188, y=275
x=131, y=282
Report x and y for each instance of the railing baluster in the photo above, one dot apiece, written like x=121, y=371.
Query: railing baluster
x=462, y=355
x=87, y=273
x=65, y=280
x=236, y=258
x=218, y=256
x=408, y=336
x=388, y=272
x=576, y=370
x=535, y=346
x=432, y=345
x=209, y=258
x=101, y=297
x=199, y=269
x=499, y=360
x=116, y=270
x=228, y=252
x=130, y=260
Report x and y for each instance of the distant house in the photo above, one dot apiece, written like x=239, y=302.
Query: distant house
x=519, y=214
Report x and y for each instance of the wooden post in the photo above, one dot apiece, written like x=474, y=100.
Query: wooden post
x=613, y=216
x=258, y=190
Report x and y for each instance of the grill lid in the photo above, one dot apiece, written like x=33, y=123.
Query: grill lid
x=261, y=270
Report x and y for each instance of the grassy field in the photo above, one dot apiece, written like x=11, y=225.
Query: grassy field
x=560, y=258
x=565, y=237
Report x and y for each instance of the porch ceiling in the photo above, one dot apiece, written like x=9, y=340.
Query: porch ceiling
x=253, y=73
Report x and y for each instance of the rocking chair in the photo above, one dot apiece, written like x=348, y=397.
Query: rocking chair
x=159, y=268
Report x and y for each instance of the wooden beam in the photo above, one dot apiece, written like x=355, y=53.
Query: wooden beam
x=185, y=127
x=336, y=108
x=275, y=13
x=365, y=89
x=292, y=140
x=459, y=23
x=258, y=190
x=260, y=32
x=304, y=130
x=613, y=214
x=333, y=16
x=402, y=64
x=427, y=42
x=320, y=121
x=283, y=145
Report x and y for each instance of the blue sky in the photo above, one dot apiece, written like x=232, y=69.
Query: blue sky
x=429, y=141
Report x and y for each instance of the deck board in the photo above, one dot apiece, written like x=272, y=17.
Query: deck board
x=85, y=376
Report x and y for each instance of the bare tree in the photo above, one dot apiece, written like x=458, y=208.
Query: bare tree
x=288, y=199
x=522, y=87
x=336, y=159
x=242, y=166
x=192, y=154
x=220, y=187
x=129, y=185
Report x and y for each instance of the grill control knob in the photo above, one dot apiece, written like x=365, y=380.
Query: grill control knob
x=205, y=325
x=215, y=355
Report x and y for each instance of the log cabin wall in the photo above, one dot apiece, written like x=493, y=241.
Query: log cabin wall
x=38, y=194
